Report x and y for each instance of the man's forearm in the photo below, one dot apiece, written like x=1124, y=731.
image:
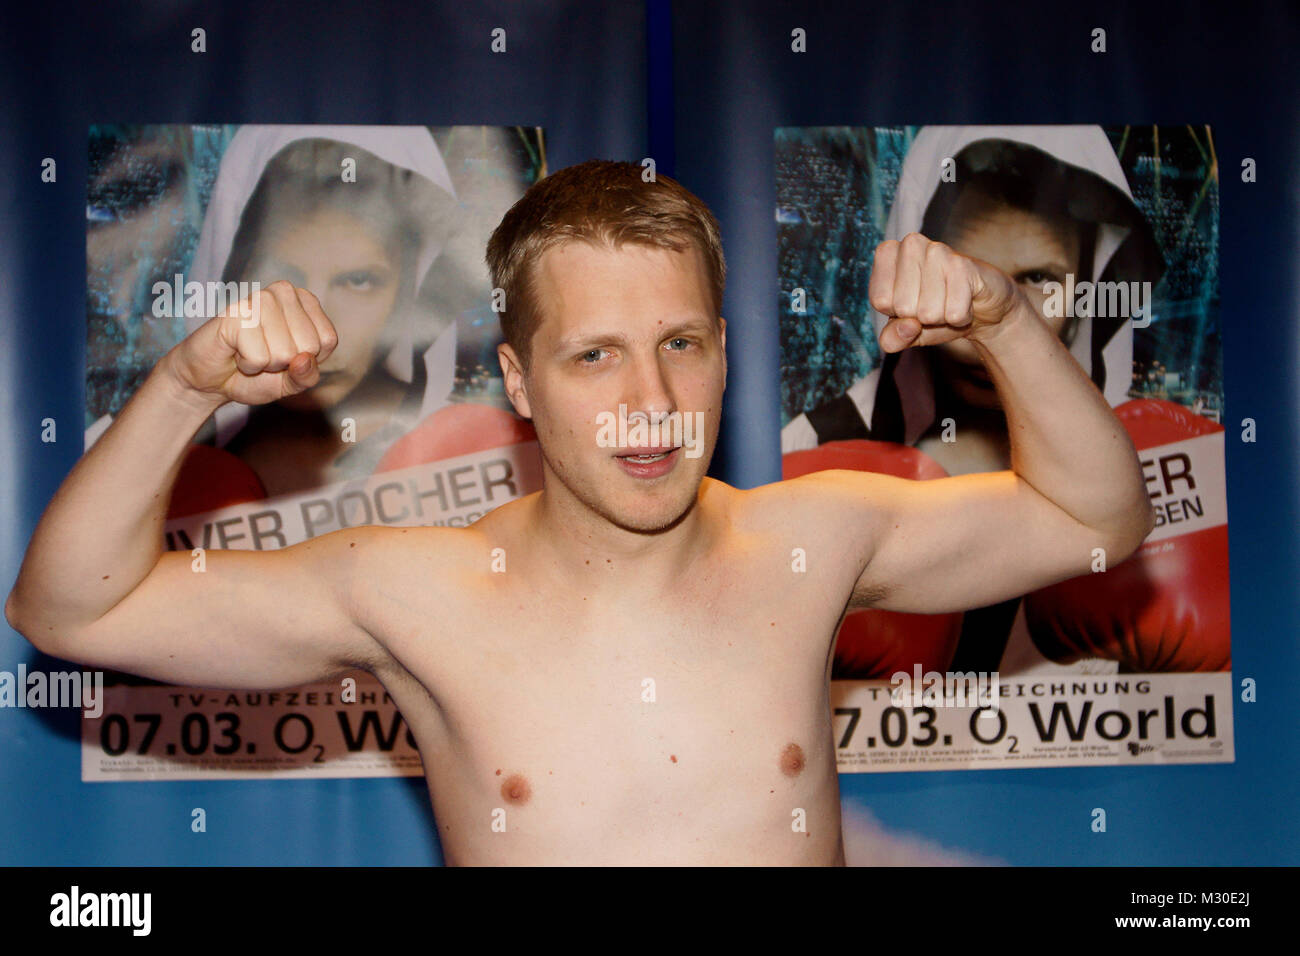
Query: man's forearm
x=102, y=532
x=1065, y=440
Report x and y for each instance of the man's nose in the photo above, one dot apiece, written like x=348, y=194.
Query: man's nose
x=648, y=389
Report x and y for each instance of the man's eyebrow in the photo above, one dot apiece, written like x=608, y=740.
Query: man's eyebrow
x=618, y=337
x=691, y=324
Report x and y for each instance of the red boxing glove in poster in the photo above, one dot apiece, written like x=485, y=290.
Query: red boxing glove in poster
x=212, y=478
x=1165, y=609
x=456, y=430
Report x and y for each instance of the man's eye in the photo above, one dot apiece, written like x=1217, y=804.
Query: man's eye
x=1035, y=277
x=589, y=354
x=684, y=342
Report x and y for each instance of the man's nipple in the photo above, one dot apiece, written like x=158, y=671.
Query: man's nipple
x=515, y=789
x=792, y=760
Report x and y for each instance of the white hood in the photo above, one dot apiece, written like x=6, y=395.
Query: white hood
x=245, y=159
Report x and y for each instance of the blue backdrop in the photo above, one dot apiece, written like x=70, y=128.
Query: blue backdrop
x=700, y=87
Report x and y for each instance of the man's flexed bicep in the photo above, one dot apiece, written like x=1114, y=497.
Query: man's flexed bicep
x=96, y=586
x=952, y=544
x=246, y=620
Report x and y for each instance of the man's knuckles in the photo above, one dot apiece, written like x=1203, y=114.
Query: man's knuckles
x=282, y=290
x=250, y=365
x=914, y=246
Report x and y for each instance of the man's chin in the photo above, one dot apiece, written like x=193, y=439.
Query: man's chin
x=652, y=518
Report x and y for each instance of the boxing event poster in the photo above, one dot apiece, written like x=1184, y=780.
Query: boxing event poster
x=409, y=424
x=1112, y=235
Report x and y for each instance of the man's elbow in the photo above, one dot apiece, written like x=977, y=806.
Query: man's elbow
x=11, y=610
x=15, y=616
x=21, y=622
x=1131, y=532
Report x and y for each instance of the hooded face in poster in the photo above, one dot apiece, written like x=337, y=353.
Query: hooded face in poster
x=367, y=218
x=1052, y=208
x=356, y=215
x=1042, y=203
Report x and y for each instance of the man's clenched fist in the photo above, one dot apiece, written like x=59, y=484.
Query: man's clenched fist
x=272, y=355
x=934, y=295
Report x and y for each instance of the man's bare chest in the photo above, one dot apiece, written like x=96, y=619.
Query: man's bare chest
x=679, y=713
x=612, y=665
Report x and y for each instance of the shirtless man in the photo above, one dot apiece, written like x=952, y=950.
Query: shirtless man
x=630, y=666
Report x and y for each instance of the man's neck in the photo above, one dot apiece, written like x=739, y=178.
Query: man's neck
x=583, y=546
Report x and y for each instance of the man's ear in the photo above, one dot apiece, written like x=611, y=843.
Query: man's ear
x=512, y=370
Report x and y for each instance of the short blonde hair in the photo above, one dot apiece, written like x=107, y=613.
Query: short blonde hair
x=600, y=202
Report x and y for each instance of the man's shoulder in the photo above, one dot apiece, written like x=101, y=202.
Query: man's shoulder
x=809, y=489
x=821, y=505
x=448, y=551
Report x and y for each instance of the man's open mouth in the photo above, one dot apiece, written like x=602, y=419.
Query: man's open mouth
x=647, y=457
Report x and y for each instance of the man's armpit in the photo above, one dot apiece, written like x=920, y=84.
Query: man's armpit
x=866, y=594
x=844, y=511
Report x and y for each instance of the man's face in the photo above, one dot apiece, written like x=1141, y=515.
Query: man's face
x=632, y=327
x=1032, y=249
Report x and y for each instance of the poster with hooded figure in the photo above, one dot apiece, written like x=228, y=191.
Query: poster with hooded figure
x=408, y=425
x=1111, y=234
